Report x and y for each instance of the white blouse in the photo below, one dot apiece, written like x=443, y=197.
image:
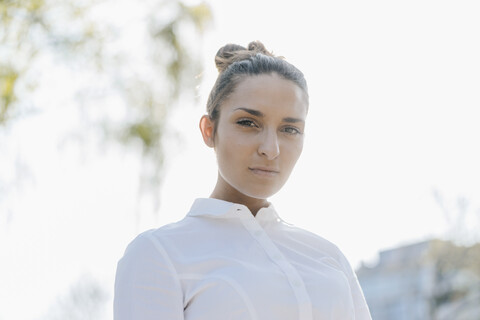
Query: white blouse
x=221, y=262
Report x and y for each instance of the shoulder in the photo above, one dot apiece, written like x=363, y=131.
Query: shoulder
x=311, y=238
x=166, y=242
x=143, y=247
x=318, y=245
x=152, y=239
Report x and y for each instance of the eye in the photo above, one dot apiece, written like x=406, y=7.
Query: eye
x=247, y=123
x=291, y=130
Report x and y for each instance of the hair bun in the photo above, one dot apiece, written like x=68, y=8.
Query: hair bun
x=231, y=53
x=258, y=47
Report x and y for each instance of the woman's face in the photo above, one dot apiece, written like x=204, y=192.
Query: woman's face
x=259, y=135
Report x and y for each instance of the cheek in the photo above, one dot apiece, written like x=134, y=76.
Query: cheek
x=227, y=154
x=293, y=151
x=229, y=140
x=229, y=150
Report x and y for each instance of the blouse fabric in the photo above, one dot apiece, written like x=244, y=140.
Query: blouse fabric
x=222, y=263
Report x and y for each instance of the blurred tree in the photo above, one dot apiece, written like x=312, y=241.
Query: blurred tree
x=85, y=300
x=457, y=263
x=463, y=219
x=456, y=281
x=128, y=62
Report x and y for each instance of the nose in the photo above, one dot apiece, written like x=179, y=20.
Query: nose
x=269, y=147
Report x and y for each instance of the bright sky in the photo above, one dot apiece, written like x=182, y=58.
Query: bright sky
x=394, y=114
x=395, y=110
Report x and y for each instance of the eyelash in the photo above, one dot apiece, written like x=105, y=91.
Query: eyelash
x=247, y=123
x=289, y=130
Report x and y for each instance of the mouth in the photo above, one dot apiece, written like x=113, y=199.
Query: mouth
x=264, y=171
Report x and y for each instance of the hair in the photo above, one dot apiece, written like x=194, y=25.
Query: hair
x=235, y=63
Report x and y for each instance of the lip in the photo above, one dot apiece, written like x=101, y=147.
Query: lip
x=264, y=171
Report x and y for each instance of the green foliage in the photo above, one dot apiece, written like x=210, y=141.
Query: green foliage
x=30, y=29
x=456, y=268
x=8, y=78
x=98, y=40
x=17, y=20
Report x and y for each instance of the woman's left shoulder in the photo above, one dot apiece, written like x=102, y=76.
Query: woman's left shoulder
x=326, y=247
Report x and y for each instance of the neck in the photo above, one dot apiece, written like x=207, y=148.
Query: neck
x=224, y=191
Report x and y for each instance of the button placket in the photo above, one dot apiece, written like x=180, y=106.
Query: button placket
x=294, y=279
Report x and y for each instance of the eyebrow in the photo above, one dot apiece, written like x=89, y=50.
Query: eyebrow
x=259, y=114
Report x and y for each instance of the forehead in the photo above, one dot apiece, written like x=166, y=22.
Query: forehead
x=268, y=91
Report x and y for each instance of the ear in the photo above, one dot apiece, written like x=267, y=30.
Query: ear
x=207, y=127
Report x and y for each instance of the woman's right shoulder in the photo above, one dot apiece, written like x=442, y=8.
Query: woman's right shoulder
x=158, y=239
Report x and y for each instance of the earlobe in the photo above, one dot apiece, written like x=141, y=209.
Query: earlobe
x=207, y=127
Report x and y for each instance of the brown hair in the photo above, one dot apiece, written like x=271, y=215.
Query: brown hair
x=235, y=63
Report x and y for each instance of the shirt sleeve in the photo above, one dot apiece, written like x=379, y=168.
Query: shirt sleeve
x=146, y=283
x=361, y=308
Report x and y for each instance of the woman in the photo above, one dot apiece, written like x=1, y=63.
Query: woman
x=232, y=257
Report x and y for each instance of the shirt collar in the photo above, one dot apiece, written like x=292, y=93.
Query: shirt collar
x=216, y=208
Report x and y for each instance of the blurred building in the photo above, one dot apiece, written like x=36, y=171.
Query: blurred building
x=428, y=280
